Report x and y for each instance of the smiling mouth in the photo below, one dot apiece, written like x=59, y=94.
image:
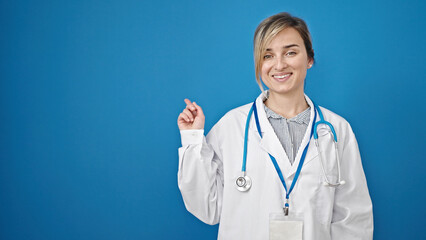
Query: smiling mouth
x=281, y=77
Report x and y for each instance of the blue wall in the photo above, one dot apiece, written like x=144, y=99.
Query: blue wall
x=90, y=92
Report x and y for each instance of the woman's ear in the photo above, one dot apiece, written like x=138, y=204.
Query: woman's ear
x=310, y=62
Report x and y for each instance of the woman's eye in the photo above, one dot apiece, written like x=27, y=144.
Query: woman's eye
x=267, y=56
x=291, y=53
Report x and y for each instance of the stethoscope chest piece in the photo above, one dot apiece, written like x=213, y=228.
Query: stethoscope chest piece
x=243, y=183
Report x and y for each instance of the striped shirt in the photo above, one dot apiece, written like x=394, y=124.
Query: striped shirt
x=291, y=131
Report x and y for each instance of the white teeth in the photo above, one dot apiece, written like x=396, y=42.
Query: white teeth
x=282, y=76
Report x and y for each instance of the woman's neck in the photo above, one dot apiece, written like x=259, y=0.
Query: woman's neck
x=287, y=105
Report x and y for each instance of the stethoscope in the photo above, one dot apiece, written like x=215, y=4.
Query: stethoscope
x=244, y=182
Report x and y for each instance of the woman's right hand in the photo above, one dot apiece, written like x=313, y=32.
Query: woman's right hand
x=192, y=117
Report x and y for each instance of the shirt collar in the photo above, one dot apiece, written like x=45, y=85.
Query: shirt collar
x=301, y=118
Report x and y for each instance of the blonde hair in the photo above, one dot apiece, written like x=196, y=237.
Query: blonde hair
x=268, y=29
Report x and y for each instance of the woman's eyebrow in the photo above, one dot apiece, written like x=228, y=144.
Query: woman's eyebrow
x=291, y=45
x=286, y=46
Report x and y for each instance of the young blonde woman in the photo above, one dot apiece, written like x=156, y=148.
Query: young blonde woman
x=280, y=167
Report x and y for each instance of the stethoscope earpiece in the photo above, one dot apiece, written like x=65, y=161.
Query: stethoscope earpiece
x=327, y=184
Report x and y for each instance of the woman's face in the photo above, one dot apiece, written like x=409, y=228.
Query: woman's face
x=285, y=63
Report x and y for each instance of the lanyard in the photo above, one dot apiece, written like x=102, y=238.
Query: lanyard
x=274, y=161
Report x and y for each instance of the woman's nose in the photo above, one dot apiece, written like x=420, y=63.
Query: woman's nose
x=280, y=64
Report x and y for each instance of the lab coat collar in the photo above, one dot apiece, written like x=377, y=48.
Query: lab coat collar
x=271, y=144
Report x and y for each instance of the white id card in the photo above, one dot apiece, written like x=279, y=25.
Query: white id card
x=285, y=227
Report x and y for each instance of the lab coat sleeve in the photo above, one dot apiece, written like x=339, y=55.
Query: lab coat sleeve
x=200, y=175
x=353, y=210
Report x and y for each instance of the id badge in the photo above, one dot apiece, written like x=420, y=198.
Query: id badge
x=285, y=227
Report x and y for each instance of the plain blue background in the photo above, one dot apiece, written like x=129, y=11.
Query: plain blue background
x=91, y=90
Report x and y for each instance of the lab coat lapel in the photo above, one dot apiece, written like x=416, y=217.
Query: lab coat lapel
x=312, y=150
x=270, y=142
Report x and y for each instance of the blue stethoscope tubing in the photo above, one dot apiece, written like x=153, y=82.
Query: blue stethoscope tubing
x=244, y=182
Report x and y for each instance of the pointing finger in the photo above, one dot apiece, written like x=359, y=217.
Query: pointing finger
x=189, y=105
x=187, y=101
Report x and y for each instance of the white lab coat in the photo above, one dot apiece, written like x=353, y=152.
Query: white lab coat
x=209, y=166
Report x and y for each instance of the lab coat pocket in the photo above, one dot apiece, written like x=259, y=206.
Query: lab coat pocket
x=325, y=200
